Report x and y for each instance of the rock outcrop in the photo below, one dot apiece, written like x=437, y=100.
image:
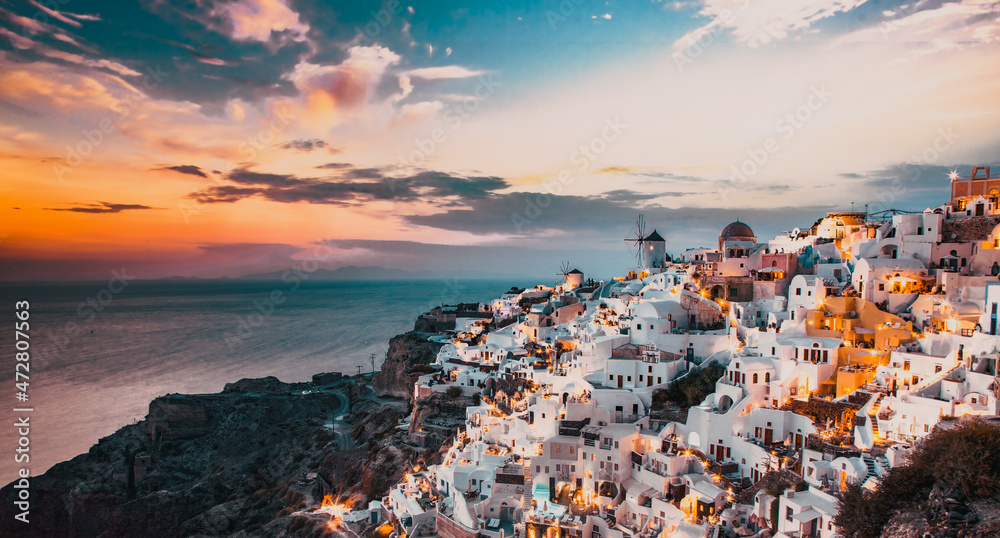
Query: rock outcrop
x=216, y=464
x=401, y=367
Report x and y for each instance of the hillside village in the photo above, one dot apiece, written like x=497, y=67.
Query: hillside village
x=839, y=345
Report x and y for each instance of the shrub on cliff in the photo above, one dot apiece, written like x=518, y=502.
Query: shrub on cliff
x=966, y=457
x=691, y=389
x=454, y=392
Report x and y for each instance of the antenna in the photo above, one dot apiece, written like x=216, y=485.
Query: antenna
x=373, y=364
x=359, y=370
x=637, y=237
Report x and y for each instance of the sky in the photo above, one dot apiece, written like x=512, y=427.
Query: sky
x=222, y=138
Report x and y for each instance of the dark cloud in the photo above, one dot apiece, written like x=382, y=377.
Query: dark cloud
x=334, y=166
x=244, y=176
x=534, y=215
x=101, y=207
x=910, y=186
x=352, y=185
x=629, y=196
x=308, y=145
x=189, y=169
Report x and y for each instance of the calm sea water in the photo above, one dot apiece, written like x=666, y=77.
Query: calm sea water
x=153, y=338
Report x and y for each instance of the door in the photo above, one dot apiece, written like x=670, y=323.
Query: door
x=649, y=381
x=720, y=453
x=619, y=381
x=768, y=432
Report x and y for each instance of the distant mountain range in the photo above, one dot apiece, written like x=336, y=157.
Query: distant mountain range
x=354, y=272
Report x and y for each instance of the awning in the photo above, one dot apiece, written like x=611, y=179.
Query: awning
x=806, y=516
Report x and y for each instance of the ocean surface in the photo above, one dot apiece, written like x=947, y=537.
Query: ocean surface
x=95, y=367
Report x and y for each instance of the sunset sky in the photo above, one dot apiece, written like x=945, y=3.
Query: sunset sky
x=220, y=138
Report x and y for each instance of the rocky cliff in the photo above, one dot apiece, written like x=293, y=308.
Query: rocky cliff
x=407, y=359
x=211, y=465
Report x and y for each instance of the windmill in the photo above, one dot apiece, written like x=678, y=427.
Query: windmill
x=564, y=270
x=637, y=237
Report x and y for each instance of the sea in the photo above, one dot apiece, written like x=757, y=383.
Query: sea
x=100, y=352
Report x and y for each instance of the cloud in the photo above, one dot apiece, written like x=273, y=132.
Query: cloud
x=258, y=20
x=334, y=166
x=443, y=72
x=328, y=88
x=101, y=207
x=350, y=186
x=189, y=169
x=308, y=145
x=908, y=185
x=755, y=22
x=521, y=214
x=936, y=25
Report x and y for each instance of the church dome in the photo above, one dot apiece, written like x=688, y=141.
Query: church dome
x=736, y=229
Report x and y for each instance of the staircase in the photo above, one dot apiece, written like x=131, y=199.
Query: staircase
x=870, y=463
x=873, y=414
x=472, y=513
x=526, y=498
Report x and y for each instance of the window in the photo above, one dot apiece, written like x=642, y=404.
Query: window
x=638, y=326
x=767, y=377
x=788, y=513
x=755, y=379
x=572, y=449
x=881, y=286
x=616, y=444
x=546, y=469
x=557, y=467
x=558, y=449
x=798, y=291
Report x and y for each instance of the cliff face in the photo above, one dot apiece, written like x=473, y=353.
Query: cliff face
x=216, y=464
x=407, y=352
